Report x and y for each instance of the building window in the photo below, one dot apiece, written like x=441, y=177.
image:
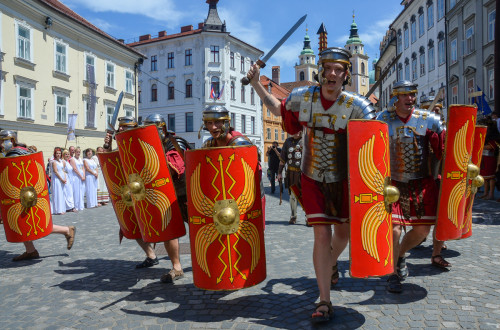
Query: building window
x=170, y=60
x=400, y=71
x=25, y=99
x=129, y=82
x=422, y=61
x=154, y=63
x=252, y=96
x=440, y=7
x=24, y=49
x=362, y=68
x=441, y=50
x=469, y=40
x=89, y=115
x=188, y=59
x=215, y=88
x=414, y=71
x=109, y=114
x=421, y=24
x=214, y=54
x=189, y=122
x=61, y=54
x=407, y=69
x=491, y=25
x=129, y=112
x=233, y=120
x=469, y=90
x=406, y=36
x=233, y=92
x=242, y=94
x=61, y=110
x=302, y=76
x=243, y=124
x=454, y=94
x=430, y=55
x=453, y=51
x=268, y=133
x=171, y=90
x=110, y=75
x=430, y=14
x=282, y=135
x=491, y=84
x=400, y=42
x=90, y=68
x=171, y=121
x=413, y=29
x=189, y=88
x=242, y=64
x=231, y=56
x=139, y=96
x=252, y=125
x=276, y=134
x=154, y=93
x=453, y=3
x=268, y=112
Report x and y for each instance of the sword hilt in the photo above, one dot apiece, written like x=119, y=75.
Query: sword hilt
x=245, y=81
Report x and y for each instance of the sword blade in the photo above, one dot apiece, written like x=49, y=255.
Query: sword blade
x=112, y=122
x=283, y=39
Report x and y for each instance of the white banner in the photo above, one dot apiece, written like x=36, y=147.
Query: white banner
x=71, y=126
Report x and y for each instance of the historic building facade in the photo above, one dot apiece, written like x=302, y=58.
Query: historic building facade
x=54, y=63
x=360, y=82
x=187, y=71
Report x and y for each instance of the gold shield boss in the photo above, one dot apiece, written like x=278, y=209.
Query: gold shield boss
x=225, y=217
x=149, y=184
x=24, y=198
x=456, y=159
x=119, y=193
x=370, y=197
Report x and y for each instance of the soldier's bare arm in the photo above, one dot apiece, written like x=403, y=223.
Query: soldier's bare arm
x=271, y=102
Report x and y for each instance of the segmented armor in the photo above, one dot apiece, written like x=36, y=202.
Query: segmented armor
x=324, y=156
x=409, y=147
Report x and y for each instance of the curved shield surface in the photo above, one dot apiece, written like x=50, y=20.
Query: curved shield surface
x=477, y=152
x=119, y=193
x=153, y=194
x=225, y=217
x=24, y=198
x=370, y=211
x=456, y=157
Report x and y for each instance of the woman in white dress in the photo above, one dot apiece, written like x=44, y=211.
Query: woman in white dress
x=68, y=187
x=91, y=175
x=78, y=179
x=102, y=189
x=59, y=180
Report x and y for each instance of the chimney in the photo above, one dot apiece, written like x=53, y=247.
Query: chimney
x=121, y=40
x=200, y=25
x=145, y=37
x=276, y=74
x=162, y=34
x=186, y=28
x=323, y=37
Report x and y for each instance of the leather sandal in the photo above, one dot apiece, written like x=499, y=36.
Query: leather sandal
x=70, y=239
x=27, y=256
x=440, y=262
x=394, y=284
x=402, y=268
x=335, y=275
x=148, y=262
x=322, y=316
x=172, y=276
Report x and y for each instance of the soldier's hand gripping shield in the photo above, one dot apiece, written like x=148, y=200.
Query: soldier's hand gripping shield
x=153, y=194
x=456, y=158
x=119, y=193
x=370, y=197
x=225, y=217
x=24, y=198
x=474, y=179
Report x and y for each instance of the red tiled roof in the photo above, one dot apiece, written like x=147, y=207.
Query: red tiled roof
x=64, y=10
x=294, y=84
x=278, y=91
x=166, y=37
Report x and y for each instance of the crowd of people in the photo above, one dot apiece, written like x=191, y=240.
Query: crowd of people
x=75, y=181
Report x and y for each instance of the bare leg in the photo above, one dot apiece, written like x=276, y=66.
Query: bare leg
x=339, y=240
x=29, y=246
x=436, y=258
x=492, y=189
x=322, y=260
x=64, y=230
x=413, y=238
x=172, y=247
x=396, y=235
x=147, y=248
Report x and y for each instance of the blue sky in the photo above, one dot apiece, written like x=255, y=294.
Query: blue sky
x=260, y=23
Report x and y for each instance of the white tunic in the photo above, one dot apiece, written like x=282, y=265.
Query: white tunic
x=58, y=200
x=68, y=187
x=91, y=183
x=78, y=185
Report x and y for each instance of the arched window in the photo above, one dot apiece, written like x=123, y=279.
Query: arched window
x=233, y=92
x=154, y=93
x=302, y=76
x=215, y=87
x=171, y=90
x=362, y=68
x=189, y=88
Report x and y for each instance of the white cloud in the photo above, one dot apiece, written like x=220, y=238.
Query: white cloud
x=102, y=24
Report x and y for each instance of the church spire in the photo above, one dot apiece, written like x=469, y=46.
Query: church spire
x=307, y=45
x=213, y=22
x=323, y=42
x=354, y=36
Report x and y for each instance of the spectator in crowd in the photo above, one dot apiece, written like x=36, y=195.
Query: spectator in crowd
x=91, y=175
x=78, y=179
x=68, y=187
x=102, y=190
x=273, y=159
x=489, y=158
x=59, y=180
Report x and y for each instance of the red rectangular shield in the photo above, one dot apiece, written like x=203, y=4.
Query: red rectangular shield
x=477, y=152
x=369, y=167
x=153, y=193
x=119, y=193
x=456, y=158
x=24, y=198
x=225, y=217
